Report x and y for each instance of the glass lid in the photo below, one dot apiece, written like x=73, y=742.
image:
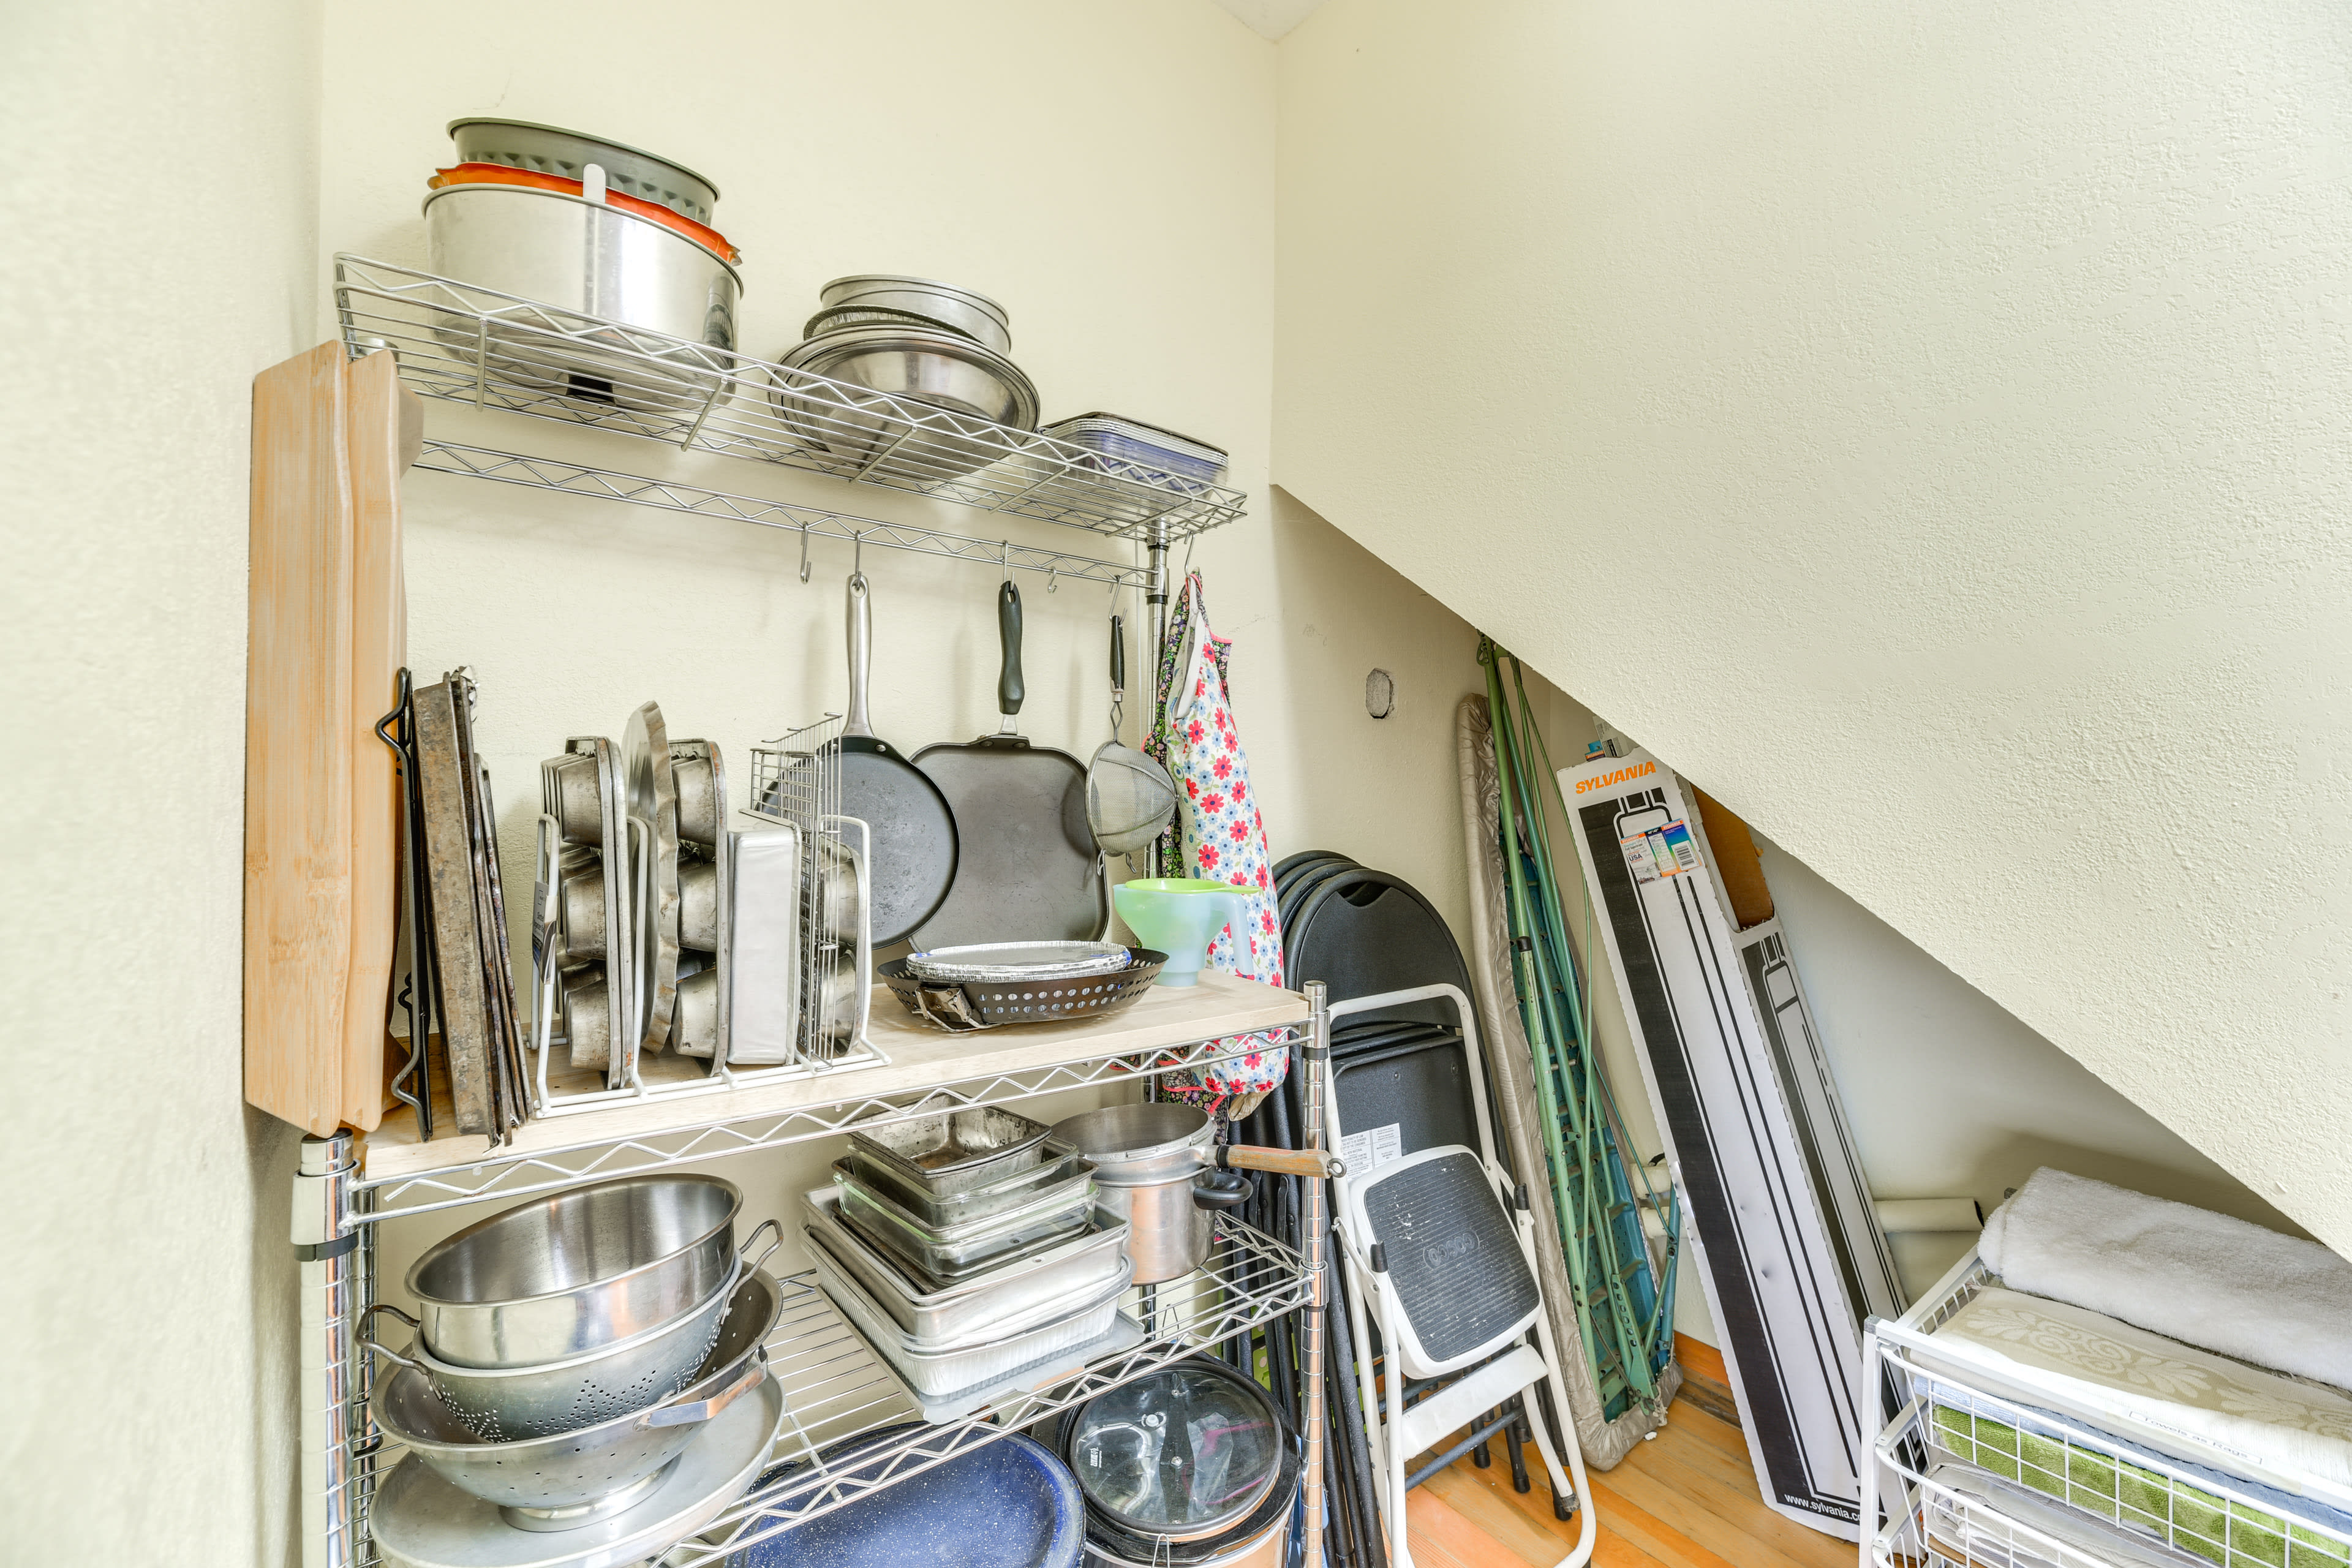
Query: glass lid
x=1182, y=1452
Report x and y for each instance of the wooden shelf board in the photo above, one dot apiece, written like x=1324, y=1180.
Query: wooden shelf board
x=920, y=1057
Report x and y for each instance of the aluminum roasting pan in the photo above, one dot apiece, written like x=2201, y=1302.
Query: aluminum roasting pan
x=1063, y=1272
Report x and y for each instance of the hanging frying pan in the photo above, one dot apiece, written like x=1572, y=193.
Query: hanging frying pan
x=915, y=842
x=1026, y=866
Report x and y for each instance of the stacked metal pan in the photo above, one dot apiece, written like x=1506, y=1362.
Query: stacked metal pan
x=568, y=1357
x=966, y=1247
x=917, y=339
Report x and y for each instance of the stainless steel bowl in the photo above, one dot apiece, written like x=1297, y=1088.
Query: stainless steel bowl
x=974, y=386
x=575, y=1478
x=576, y=1270
x=593, y=264
x=976, y=316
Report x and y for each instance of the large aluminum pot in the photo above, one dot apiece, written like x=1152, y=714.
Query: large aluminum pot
x=1154, y=1168
x=585, y=259
x=576, y=1270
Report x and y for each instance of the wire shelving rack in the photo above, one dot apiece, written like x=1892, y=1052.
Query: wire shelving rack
x=836, y=1387
x=462, y=343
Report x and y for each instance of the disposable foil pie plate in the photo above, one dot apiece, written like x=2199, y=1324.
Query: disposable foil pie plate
x=1011, y=963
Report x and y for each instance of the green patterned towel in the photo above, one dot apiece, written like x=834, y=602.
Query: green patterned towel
x=2218, y=1529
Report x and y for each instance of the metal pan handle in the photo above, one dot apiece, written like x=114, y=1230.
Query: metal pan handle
x=861, y=653
x=704, y=1409
x=750, y=1263
x=367, y=1335
x=1219, y=1190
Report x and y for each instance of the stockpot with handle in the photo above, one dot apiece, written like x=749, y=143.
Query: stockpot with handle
x=1159, y=1167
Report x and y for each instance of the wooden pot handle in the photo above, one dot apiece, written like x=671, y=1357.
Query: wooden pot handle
x=1315, y=1162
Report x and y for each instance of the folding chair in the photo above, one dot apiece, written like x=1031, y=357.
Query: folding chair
x=1440, y=1255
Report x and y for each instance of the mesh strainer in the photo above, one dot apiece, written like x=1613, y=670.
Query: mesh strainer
x=1130, y=797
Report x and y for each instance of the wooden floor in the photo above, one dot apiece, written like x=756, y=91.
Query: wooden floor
x=1687, y=1498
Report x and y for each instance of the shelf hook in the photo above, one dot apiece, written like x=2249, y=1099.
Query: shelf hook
x=1007, y=548
x=804, y=564
x=1053, y=579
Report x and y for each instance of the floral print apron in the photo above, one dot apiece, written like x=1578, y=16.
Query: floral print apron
x=1220, y=833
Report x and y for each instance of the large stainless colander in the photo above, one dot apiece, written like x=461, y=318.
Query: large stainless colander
x=573, y=1479
x=507, y=1403
x=575, y=1271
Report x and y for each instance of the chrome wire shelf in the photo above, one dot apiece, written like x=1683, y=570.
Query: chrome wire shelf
x=511, y=1176
x=694, y=500
x=835, y=1389
x=468, y=344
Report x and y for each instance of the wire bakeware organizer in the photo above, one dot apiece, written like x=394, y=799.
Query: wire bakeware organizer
x=1973, y=1472
x=796, y=781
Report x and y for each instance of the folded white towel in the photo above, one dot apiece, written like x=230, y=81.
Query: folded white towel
x=2190, y=1273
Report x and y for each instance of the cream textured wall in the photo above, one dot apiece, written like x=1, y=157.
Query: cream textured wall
x=156, y=243
x=1107, y=173
x=1948, y=1094
x=1956, y=400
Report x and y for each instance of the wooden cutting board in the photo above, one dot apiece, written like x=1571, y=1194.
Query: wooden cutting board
x=376, y=406
x=326, y=636
x=298, y=755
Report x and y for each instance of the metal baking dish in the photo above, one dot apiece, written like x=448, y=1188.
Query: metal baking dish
x=1038, y=1314
x=963, y=1250
x=1032, y=1186
x=939, y=1372
x=1062, y=1271
x=957, y=1149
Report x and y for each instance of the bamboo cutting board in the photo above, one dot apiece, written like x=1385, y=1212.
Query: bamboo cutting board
x=327, y=618
x=297, y=755
x=377, y=407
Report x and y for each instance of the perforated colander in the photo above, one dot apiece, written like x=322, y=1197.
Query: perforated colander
x=505, y=1405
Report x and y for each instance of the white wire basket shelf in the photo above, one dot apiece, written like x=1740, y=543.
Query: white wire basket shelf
x=1971, y=1475
x=468, y=344
x=835, y=1390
